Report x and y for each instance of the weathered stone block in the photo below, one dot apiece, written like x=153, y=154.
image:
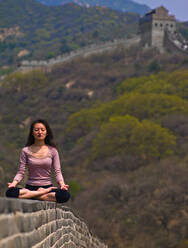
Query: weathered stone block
x=12, y=206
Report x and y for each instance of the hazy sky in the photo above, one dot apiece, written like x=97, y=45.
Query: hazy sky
x=179, y=8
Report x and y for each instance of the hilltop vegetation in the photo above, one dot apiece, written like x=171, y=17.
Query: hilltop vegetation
x=31, y=30
x=134, y=121
x=121, y=120
x=136, y=150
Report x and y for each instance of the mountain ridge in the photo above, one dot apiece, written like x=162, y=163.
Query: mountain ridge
x=121, y=5
x=46, y=32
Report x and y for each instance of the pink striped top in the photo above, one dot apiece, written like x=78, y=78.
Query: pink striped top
x=39, y=169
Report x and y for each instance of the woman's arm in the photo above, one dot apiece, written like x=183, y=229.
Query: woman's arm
x=56, y=166
x=57, y=170
x=21, y=170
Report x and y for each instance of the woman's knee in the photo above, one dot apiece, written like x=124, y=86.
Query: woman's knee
x=62, y=196
x=13, y=192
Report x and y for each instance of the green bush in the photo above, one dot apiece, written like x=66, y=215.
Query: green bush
x=74, y=189
x=126, y=135
x=175, y=83
x=142, y=106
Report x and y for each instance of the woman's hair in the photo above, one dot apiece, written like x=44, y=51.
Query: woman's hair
x=49, y=136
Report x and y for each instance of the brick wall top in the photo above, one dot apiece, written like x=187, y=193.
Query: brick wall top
x=37, y=224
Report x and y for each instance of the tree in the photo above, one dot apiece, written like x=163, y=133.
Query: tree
x=175, y=83
x=126, y=135
x=154, y=66
x=142, y=106
x=65, y=48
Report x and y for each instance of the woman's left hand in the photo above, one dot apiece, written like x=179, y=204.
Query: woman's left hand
x=64, y=186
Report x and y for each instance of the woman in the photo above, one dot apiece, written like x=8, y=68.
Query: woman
x=40, y=156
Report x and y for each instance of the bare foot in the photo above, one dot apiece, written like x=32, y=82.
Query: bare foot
x=46, y=190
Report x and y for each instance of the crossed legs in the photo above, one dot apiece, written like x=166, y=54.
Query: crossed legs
x=44, y=194
x=47, y=195
x=40, y=194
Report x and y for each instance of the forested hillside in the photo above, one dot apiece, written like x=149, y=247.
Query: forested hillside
x=120, y=120
x=31, y=30
x=122, y=5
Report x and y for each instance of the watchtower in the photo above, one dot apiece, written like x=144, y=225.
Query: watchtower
x=153, y=26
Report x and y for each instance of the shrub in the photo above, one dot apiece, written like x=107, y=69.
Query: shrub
x=126, y=135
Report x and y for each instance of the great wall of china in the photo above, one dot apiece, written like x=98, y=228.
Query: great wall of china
x=84, y=52
x=175, y=43
x=38, y=224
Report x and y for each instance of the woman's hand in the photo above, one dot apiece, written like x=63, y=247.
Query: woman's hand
x=13, y=184
x=63, y=186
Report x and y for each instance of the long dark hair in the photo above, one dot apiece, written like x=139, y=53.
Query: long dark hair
x=49, y=140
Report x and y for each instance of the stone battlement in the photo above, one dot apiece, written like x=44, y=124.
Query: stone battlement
x=37, y=224
x=84, y=52
x=153, y=27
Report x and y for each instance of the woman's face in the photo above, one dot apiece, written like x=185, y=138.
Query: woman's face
x=39, y=131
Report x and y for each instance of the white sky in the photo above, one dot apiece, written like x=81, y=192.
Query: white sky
x=179, y=8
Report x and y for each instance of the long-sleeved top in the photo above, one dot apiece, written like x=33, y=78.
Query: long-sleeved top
x=39, y=169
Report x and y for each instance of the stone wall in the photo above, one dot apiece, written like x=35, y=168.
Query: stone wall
x=175, y=43
x=83, y=52
x=37, y=224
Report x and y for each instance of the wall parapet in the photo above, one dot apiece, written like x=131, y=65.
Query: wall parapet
x=38, y=224
x=27, y=65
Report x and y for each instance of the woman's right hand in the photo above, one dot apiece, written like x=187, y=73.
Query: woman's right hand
x=12, y=185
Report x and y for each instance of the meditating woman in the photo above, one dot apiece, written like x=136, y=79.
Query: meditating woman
x=40, y=156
